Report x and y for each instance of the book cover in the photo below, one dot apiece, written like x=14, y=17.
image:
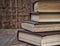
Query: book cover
x=40, y=26
x=46, y=16
x=41, y=38
x=49, y=6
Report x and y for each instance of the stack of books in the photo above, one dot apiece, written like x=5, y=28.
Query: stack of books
x=44, y=27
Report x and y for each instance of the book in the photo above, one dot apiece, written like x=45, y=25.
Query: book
x=52, y=40
x=35, y=6
x=45, y=16
x=40, y=38
x=23, y=35
x=35, y=26
x=48, y=6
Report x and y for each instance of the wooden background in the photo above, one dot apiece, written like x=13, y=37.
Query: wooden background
x=14, y=12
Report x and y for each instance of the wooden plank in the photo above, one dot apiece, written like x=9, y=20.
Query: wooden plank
x=7, y=37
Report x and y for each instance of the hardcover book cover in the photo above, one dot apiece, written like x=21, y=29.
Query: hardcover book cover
x=40, y=38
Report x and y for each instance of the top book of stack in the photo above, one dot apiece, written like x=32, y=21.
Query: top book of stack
x=47, y=6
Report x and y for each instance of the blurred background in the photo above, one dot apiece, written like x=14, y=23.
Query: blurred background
x=14, y=12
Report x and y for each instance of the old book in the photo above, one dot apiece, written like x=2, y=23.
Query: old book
x=35, y=6
x=45, y=16
x=39, y=38
x=40, y=26
x=52, y=40
x=25, y=36
x=49, y=6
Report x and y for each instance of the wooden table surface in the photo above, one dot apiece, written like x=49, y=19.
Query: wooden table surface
x=8, y=37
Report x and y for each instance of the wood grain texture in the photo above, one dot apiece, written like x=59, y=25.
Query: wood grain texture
x=8, y=37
